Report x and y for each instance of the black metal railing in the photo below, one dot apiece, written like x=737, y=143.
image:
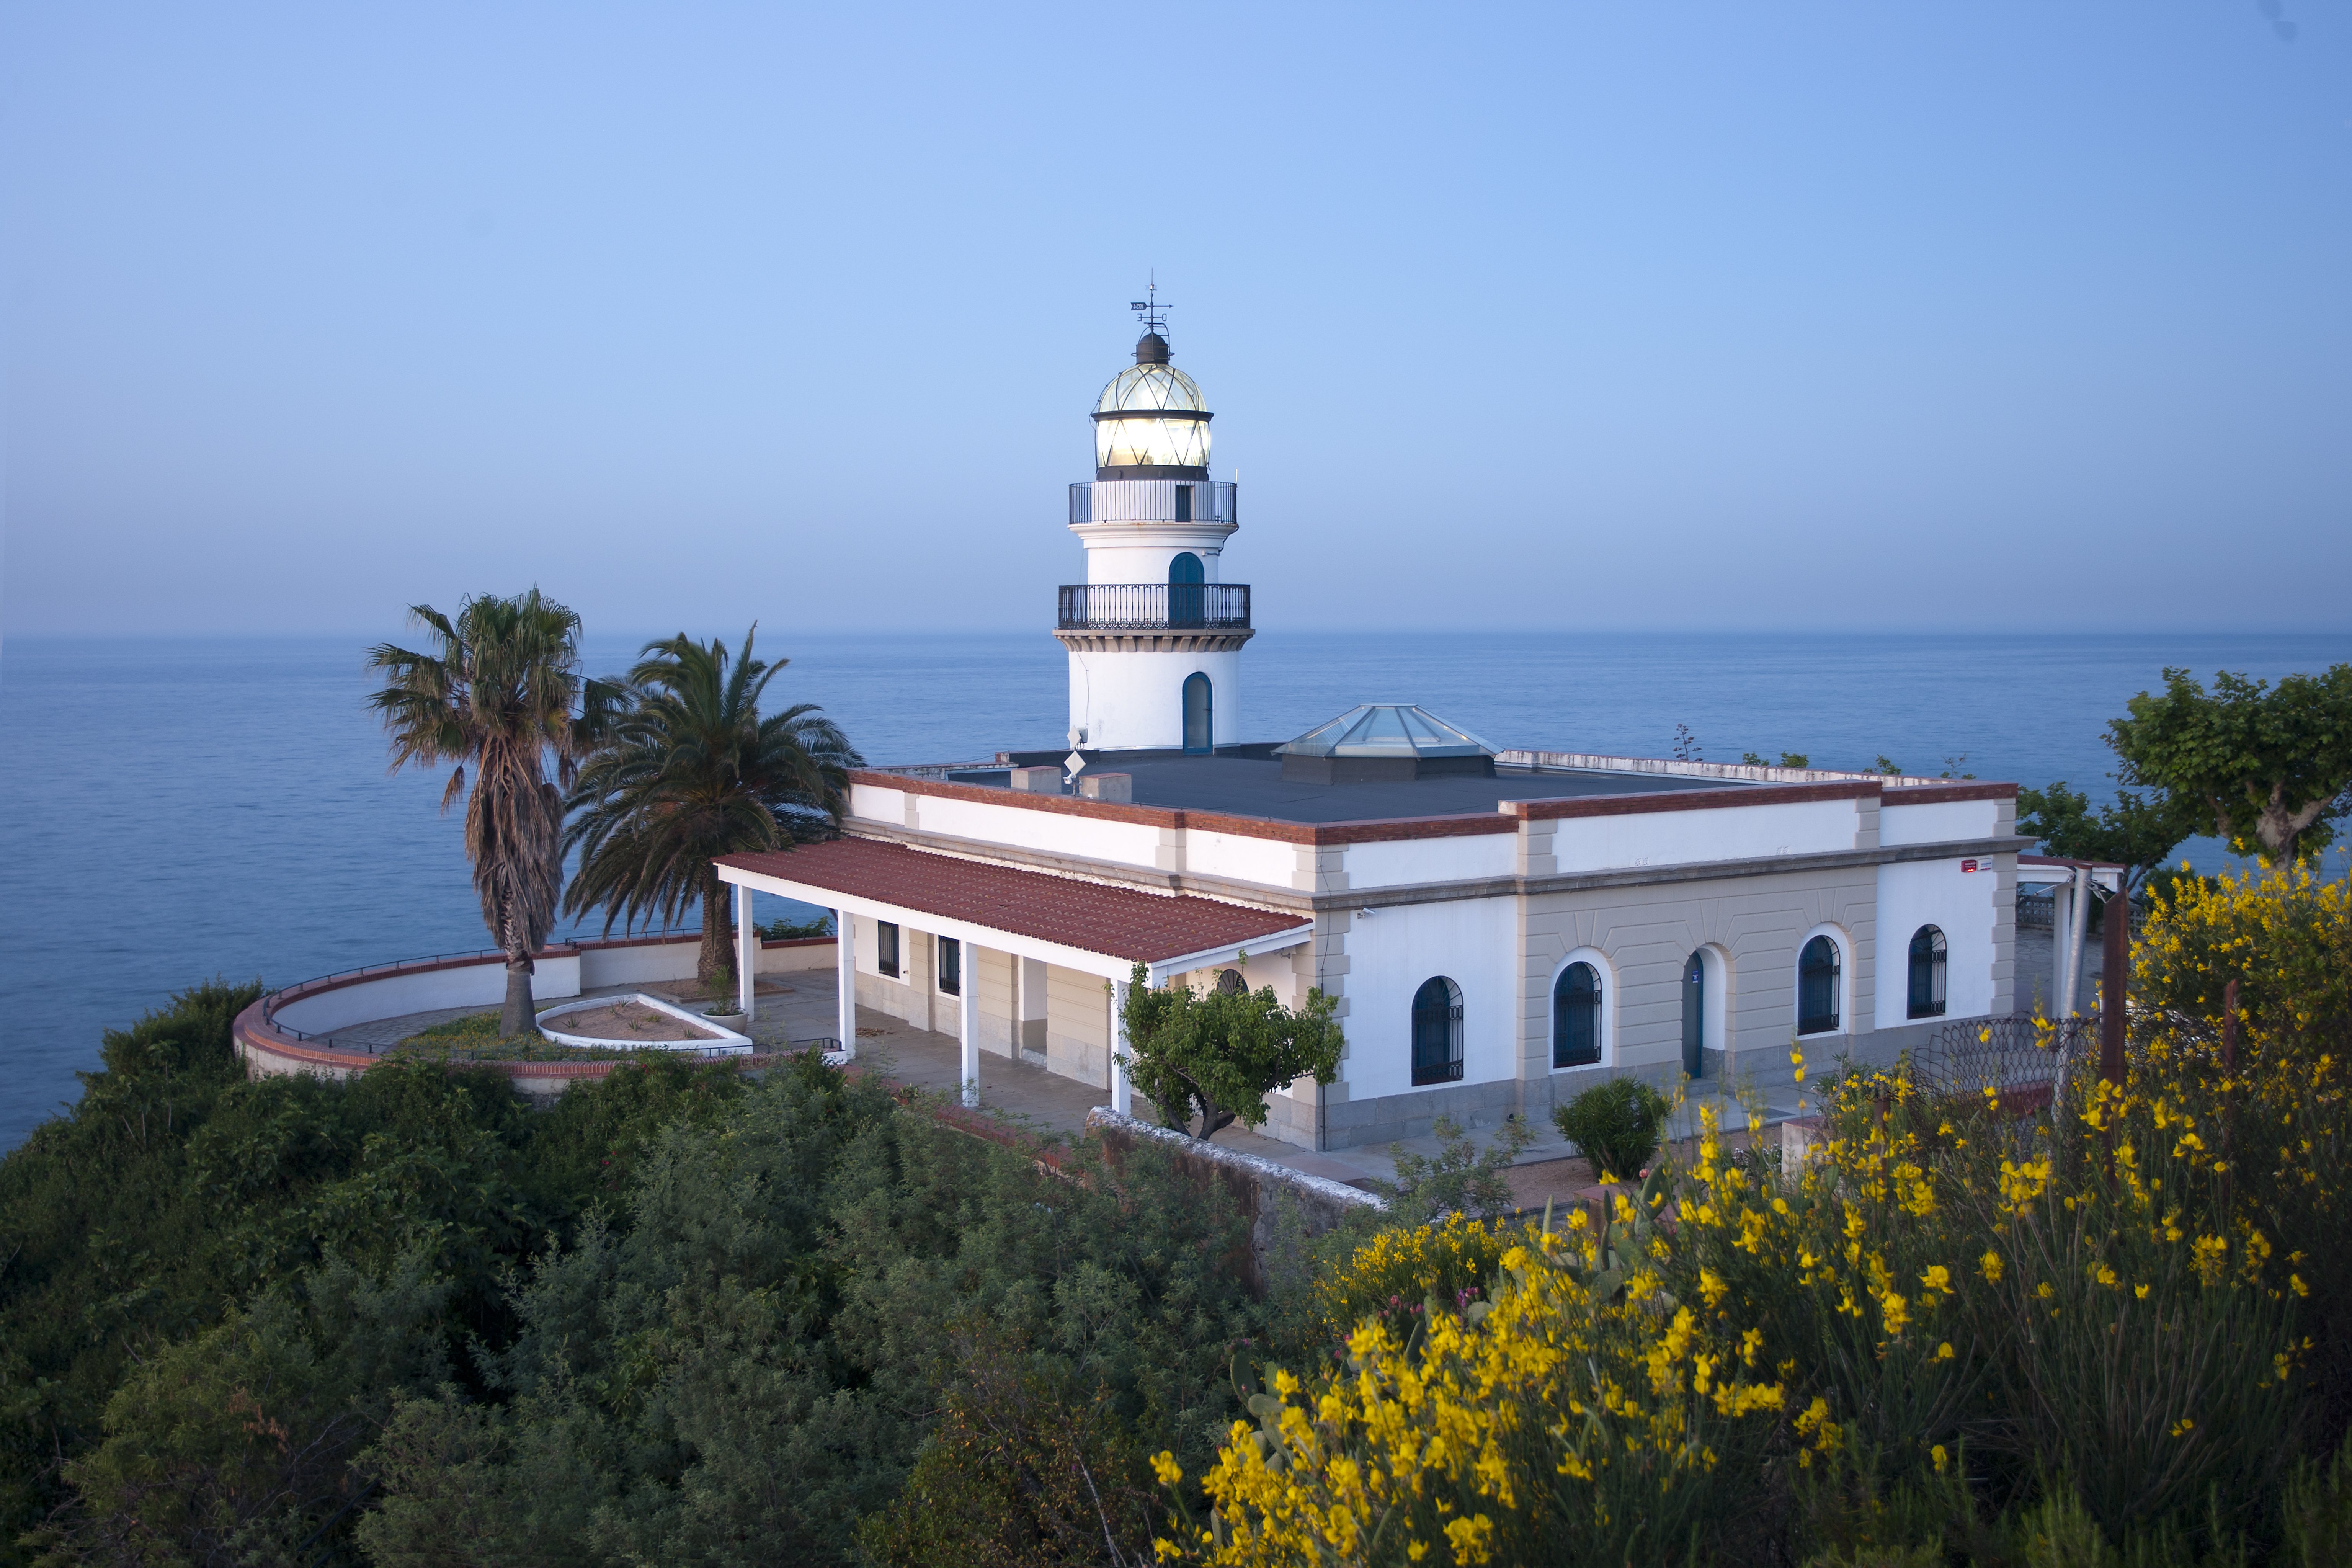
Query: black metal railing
x=1154, y=607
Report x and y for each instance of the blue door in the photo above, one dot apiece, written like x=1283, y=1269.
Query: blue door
x=1188, y=600
x=1199, y=727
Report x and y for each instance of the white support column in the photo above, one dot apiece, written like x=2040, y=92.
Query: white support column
x=2078, y=926
x=747, y=951
x=844, y=978
x=968, y=1020
x=1122, y=1093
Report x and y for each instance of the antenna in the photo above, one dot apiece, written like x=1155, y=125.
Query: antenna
x=1153, y=314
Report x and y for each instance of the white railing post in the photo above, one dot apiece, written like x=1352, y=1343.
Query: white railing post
x=845, y=977
x=968, y=1018
x=1122, y=1093
x=747, y=949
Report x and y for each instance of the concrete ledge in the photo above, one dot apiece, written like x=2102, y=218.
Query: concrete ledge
x=1103, y=1117
x=1255, y=1184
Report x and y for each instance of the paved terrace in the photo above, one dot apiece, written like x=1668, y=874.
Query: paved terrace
x=799, y=1007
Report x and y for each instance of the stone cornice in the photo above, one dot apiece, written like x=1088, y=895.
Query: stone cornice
x=1292, y=899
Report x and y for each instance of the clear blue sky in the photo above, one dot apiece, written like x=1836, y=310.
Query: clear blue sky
x=1761, y=316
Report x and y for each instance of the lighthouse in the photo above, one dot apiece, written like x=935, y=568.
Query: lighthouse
x=1155, y=633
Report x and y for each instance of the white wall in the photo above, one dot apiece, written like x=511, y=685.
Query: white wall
x=1472, y=942
x=482, y=984
x=1273, y=861
x=1404, y=861
x=1942, y=822
x=1680, y=837
x=1137, y=699
x=1936, y=892
x=1049, y=832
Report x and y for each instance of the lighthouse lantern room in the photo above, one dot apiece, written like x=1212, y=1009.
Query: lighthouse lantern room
x=1155, y=632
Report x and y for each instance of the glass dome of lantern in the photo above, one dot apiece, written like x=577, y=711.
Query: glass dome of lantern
x=1149, y=423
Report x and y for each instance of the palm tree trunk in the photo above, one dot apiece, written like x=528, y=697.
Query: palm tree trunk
x=519, y=1016
x=718, y=959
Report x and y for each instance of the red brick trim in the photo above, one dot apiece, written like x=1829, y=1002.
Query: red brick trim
x=1366, y=832
x=252, y=1033
x=1938, y=794
x=1517, y=811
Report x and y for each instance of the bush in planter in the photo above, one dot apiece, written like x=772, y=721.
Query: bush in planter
x=1616, y=1124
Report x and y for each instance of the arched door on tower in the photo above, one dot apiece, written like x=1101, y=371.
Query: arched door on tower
x=1200, y=721
x=1188, y=600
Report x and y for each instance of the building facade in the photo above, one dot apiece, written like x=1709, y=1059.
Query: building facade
x=1499, y=928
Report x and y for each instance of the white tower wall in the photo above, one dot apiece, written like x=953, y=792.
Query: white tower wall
x=1128, y=700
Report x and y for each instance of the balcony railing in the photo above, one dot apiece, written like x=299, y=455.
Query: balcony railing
x=1154, y=607
x=1156, y=501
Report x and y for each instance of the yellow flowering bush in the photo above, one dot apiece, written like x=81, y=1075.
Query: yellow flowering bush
x=1572, y=1414
x=2126, y=1303
x=2284, y=935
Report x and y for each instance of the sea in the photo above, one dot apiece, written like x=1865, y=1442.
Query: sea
x=176, y=809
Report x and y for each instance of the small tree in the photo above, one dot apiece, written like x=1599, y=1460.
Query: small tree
x=2135, y=831
x=1224, y=1052
x=2270, y=768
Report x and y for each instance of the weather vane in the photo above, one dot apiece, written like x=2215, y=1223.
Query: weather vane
x=1153, y=314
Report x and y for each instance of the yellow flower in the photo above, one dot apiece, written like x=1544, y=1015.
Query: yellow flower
x=1897, y=1312
x=1937, y=1452
x=1989, y=1267
x=1943, y=1352
x=1164, y=1466
x=1937, y=1278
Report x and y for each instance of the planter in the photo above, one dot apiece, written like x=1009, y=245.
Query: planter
x=735, y=1021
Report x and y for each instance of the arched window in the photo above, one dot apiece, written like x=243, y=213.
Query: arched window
x=1928, y=954
x=1200, y=721
x=1817, y=987
x=1229, y=982
x=1437, y=1032
x=1188, y=600
x=1695, y=1015
x=1576, y=1017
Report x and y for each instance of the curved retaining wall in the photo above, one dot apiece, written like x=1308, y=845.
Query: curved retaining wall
x=268, y=1034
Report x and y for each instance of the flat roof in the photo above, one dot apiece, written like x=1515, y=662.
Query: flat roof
x=1253, y=786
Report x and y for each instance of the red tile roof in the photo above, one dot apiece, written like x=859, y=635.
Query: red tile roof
x=1118, y=922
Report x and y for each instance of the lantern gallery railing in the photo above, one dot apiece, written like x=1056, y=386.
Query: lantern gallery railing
x=1155, y=500
x=1154, y=607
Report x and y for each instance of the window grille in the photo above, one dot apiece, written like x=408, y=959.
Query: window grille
x=886, y=949
x=1437, y=1032
x=1576, y=1017
x=1927, y=955
x=1695, y=1016
x=1817, y=987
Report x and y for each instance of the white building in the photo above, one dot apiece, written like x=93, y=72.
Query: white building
x=1500, y=928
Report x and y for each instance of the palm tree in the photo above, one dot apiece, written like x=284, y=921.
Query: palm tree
x=693, y=771
x=501, y=693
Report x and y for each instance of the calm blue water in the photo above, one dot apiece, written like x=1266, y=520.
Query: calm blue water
x=172, y=810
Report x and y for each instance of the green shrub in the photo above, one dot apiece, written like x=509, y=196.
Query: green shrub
x=1616, y=1124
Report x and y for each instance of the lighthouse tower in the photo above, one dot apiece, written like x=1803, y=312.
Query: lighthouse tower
x=1155, y=632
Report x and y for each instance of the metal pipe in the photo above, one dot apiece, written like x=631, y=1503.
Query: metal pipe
x=2079, y=924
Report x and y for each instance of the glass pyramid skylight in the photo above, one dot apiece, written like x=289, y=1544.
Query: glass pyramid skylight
x=1386, y=730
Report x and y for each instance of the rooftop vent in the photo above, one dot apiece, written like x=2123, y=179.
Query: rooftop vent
x=1381, y=741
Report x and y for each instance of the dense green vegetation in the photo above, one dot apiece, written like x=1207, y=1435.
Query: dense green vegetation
x=682, y=1316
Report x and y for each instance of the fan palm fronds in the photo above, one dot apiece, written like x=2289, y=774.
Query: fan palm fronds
x=501, y=693
x=693, y=771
